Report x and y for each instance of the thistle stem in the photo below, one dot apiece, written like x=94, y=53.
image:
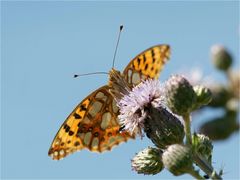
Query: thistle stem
x=229, y=77
x=187, y=129
x=206, y=167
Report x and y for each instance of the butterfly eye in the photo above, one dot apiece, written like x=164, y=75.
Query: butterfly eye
x=96, y=134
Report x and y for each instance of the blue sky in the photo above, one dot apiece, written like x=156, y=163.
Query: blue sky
x=44, y=43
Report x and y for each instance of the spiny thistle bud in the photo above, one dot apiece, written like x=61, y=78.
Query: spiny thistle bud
x=203, y=146
x=203, y=94
x=222, y=127
x=178, y=159
x=221, y=57
x=180, y=95
x=148, y=161
x=162, y=127
x=220, y=96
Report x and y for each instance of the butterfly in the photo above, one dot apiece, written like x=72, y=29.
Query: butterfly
x=93, y=124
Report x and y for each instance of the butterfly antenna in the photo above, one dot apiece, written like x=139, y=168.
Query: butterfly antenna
x=86, y=74
x=119, y=34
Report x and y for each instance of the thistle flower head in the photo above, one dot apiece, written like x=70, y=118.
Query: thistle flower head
x=148, y=161
x=178, y=159
x=221, y=58
x=179, y=95
x=143, y=109
x=132, y=106
x=203, y=95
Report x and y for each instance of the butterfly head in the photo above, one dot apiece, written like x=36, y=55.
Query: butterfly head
x=114, y=76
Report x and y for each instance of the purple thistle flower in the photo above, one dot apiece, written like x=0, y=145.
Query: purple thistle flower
x=143, y=108
x=132, y=113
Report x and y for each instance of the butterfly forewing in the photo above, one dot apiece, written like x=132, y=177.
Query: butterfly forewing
x=147, y=64
x=93, y=124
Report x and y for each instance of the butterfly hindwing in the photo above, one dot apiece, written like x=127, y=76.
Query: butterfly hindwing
x=147, y=64
x=93, y=124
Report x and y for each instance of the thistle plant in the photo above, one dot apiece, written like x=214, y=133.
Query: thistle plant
x=224, y=96
x=163, y=113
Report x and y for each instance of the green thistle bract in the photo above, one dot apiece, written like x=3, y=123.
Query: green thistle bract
x=162, y=127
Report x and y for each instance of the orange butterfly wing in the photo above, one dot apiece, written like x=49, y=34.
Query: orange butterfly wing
x=147, y=64
x=93, y=124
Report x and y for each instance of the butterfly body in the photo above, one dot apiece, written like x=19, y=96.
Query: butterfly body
x=93, y=124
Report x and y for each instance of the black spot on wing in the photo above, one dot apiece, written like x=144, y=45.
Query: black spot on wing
x=144, y=58
x=138, y=60
x=83, y=107
x=153, y=56
x=77, y=116
x=77, y=143
x=70, y=133
x=134, y=67
x=146, y=66
x=66, y=127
